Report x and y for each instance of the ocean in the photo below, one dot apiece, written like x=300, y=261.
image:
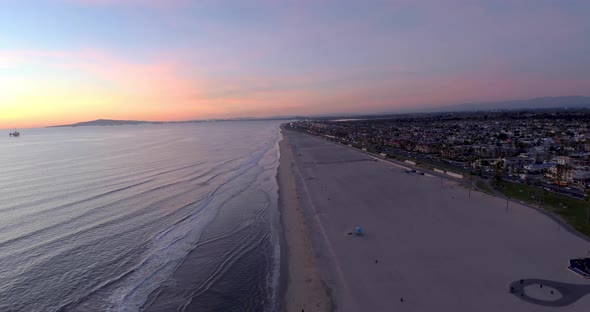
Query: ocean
x=170, y=217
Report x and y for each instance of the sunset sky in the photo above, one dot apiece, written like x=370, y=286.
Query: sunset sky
x=66, y=61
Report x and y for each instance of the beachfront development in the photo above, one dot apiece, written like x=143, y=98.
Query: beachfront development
x=428, y=243
x=540, y=157
x=546, y=147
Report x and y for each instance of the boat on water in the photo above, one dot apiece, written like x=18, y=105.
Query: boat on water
x=14, y=134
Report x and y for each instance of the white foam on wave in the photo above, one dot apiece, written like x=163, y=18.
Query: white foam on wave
x=273, y=278
x=171, y=246
x=167, y=251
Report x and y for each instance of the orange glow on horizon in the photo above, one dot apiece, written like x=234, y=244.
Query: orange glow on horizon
x=66, y=61
x=67, y=88
x=46, y=88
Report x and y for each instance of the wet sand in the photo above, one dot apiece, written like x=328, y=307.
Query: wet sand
x=428, y=243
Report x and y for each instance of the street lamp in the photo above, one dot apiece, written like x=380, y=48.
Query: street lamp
x=587, y=198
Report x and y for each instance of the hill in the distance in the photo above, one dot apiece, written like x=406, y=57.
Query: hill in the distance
x=108, y=122
x=557, y=102
x=112, y=122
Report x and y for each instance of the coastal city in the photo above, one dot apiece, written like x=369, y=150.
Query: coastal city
x=549, y=148
x=295, y=156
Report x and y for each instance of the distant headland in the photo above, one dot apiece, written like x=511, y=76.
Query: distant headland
x=114, y=122
x=541, y=103
x=107, y=122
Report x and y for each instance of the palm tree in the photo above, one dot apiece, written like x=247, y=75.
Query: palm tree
x=538, y=191
x=498, y=171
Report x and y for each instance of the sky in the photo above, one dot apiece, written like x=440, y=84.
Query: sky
x=64, y=61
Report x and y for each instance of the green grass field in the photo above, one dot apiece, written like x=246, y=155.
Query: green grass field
x=484, y=187
x=572, y=210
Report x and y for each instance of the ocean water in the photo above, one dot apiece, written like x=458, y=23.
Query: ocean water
x=174, y=217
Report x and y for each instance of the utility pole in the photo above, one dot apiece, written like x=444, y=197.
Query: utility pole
x=587, y=198
x=470, y=184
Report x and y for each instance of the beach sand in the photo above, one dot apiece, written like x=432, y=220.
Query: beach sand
x=427, y=242
x=303, y=288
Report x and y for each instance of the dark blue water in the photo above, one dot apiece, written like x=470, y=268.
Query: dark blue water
x=152, y=217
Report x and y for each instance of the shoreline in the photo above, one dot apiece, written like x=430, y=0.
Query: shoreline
x=283, y=260
x=300, y=285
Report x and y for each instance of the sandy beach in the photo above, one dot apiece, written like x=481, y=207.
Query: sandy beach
x=302, y=286
x=428, y=245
